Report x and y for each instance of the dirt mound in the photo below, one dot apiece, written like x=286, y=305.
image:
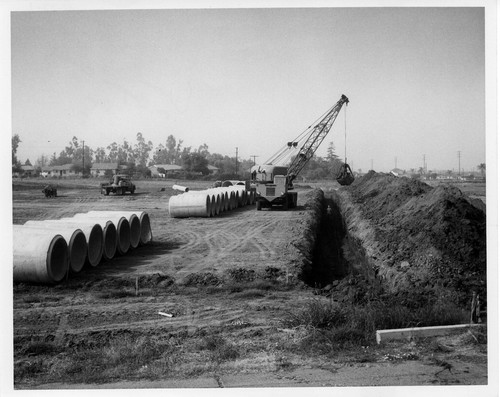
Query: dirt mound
x=420, y=236
x=202, y=279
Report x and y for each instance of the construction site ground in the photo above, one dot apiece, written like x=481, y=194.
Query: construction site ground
x=229, y=283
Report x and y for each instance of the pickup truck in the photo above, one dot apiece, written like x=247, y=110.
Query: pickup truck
x=119, y=185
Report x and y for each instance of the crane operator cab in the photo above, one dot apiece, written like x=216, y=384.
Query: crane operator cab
x=271, y=185
x=265, y=173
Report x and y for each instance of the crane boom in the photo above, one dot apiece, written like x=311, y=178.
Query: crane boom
x=314, y=139
x=273, y=182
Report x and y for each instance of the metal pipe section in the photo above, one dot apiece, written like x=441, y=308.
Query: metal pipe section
x=75, y=239
x=93, y=234
x=38, y=256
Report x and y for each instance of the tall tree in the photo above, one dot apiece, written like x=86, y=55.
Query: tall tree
x=169, y=153
x=482, y=168
x=141, y=150
x=16, y=165
x=100, y=155
x=195, y=162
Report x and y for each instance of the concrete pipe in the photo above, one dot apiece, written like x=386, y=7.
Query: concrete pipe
x=213, y=206
x=133, y=220
x=38, y=256
x=190, y=205
x=109, y=234
x=122, y=227
x=75, y=239
x=93, y=234
x=233, y=202
x=218, y=204
x=219, y=199
x=146, y=235
x=226, y=200
x=180, y=188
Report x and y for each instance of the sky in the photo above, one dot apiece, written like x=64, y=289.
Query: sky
x=254, y=79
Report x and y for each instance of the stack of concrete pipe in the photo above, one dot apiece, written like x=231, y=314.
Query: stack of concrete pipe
x=85, y=238
x=210, y=202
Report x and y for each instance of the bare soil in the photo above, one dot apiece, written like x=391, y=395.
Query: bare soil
x=230, y=283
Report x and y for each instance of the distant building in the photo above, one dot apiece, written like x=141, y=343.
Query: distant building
x=28, y=170
x=100, y=169
x=164, y=170
x=213, y=169
x=62, y=171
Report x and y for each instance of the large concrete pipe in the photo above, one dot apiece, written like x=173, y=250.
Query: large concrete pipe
x=219, y=199
x=190, y=205
x=93, y=234
x=133, y=220
x=233, y=201
x=180, y=188
x=226, y=200
x=38, y=256
x=75, y=239
x=213, y=205
x=240, y=192
x=109, y=234
x=146, y=235
x=122, y=226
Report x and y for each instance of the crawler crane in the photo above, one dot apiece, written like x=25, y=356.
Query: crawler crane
x=274, y=182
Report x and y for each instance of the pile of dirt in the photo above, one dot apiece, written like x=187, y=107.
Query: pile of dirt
x=417, y=236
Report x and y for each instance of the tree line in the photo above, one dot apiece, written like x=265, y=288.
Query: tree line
x=138, y=156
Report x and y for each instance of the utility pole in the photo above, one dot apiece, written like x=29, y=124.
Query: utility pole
x=83, y=158
x=253, y=155
x=236, y=161
x=459, y=154
x=423, y=168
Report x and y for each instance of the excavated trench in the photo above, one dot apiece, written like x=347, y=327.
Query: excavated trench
x=410, y=237
x=327, y=256
x=335, y=252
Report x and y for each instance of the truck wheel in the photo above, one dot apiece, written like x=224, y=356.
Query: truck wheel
x=285, y=205
x=259, y=205
x=107, y=192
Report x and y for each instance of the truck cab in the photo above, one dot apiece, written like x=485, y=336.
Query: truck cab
x=272, y=187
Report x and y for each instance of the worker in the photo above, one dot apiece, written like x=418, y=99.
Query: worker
x=329, y=210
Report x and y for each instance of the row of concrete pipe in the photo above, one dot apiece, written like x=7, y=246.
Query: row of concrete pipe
x=210, y=202
x=46, y=251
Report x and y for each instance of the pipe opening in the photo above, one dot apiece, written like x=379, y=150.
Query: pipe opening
x=77, y=245
x=109, y=236
x=57, y=259
x=135, y=231
x=95, y=246
x=122, y=236
x=146, y=234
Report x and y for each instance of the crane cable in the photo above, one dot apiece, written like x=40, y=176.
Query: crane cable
x=345, y=135
x=278, y=156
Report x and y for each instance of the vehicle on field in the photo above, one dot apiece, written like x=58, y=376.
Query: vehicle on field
x=274, y=181
x=49, y=191
x=119, y=185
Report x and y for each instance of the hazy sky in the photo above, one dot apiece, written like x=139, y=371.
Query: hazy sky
x=255, y=79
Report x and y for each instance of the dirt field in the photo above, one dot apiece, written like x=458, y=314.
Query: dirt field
x=232, y=284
